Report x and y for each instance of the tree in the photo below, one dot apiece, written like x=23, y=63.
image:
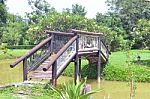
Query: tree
x=3, y=16
x=40, y=8
x=142, y=34
x=130, y=11
x=78, y=9
x=15, y=30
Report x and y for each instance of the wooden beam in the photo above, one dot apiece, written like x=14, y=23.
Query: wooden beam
x=80, y=67
x=76, y=64
x=99, y=62
x=54, y=73
x=25, y=69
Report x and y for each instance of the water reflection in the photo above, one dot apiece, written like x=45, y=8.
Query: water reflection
x=114, y=89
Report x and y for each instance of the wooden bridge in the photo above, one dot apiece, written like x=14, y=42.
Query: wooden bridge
x=48, y=59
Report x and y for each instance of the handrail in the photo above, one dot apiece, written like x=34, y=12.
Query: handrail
x=86, y=33
x=33, y=50
x=60, y=52
x=105, y=46
x=57, y=32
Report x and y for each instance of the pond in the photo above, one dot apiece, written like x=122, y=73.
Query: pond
x=115, y=89
x=112, y=89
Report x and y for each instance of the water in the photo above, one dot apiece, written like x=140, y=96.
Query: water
x=115, y=89
x=109, y=89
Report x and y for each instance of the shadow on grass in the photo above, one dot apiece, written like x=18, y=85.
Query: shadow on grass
x=142, y=62
x=91, y=71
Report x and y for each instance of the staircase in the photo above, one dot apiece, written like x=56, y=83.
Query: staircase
x=48, y=59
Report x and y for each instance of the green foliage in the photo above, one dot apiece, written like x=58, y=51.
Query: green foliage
x=78, y=10
x=21, y=47
x=12, y=54
x=89, y=72
x=72, y=91
x=142, y=34
x=119, y=68
x=15, y=30
x=120, y=73
x=34, y=91
x=3, y=18
x=124, y=14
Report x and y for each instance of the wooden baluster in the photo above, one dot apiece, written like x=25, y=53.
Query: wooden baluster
x=51, y=44
x=54, y=73
x=25, y=69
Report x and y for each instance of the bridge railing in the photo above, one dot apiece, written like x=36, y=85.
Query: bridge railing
x=89, y=41
x=34, y=57
x=104, y=50
x=62, y=58
x=59, y=39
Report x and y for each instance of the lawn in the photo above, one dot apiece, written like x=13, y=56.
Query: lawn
x=120, y=58
x=12, y=53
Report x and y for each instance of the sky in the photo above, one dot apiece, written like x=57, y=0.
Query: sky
x=91, y=6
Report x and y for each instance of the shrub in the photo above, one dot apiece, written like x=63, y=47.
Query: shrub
x=21, y=47
x=122, y=73
x=72, y=91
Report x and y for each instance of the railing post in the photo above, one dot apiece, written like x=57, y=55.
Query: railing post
x=25, y=69
x=51, y=44
x=107, y=52
x=80, y=67
x=99, y=61
x=54, y=73
x=76, y=64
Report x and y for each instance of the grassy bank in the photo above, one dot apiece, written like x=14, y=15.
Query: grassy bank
x=121, y=67
x=28, y=91
x=12, y=53
x=118, y=67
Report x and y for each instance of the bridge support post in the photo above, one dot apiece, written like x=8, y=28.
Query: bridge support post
x=76, y=63
x=99, y=62
x=54, y=74
x=80, y=67
x=25, y=69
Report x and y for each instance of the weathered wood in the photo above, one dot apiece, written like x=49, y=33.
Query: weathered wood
x=57, y=32
x=99, y=61
x=80, y=67
x=54, y=73
x=69, y=48
x=28, y=54
x=76, y=63
x=62, y=50
x=85, y=32
x=25, y=69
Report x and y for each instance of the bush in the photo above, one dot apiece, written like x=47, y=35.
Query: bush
x=123, y=73
x=21, y=47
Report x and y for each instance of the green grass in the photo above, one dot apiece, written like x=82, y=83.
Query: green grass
x=120, y=58
x=118, y=69
x=121, y=66
x=13, y=53
x=28, y=91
